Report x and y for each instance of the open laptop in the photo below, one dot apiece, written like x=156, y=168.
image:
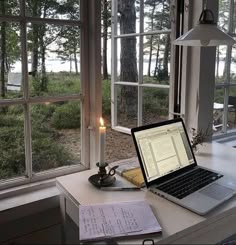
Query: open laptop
x=170, y=169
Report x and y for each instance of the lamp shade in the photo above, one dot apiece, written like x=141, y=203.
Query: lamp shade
x=204, y=35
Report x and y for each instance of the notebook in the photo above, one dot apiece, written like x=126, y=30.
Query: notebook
x=170, y=169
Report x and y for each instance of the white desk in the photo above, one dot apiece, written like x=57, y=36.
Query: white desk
x=75, y=190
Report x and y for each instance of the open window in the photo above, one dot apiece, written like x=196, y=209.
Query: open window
x=141, y=51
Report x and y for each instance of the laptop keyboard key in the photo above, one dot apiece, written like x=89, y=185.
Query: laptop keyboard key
x=189, y=183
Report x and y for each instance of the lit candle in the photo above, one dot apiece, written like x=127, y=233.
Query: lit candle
x=102, y=139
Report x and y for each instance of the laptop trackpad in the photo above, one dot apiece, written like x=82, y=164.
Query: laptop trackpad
x=217, y=192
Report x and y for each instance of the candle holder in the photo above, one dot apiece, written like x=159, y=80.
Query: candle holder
x=102, y=178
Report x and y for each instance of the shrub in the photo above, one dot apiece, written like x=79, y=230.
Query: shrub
x=42, y=112
x=66, y=116
x=39, y=84
x=106, y=97
x=12, y=157
x=156, y=101
x=48, y=154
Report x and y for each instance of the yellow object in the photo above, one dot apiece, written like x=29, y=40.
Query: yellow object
x=135, y=176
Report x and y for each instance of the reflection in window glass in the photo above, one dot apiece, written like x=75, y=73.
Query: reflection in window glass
x=157, y=15
x=128, y=11
x=9, y=7
x=59, y=9
x=12, y=157
x=156, y=59
x=11, y=77
x=218, y=113
x=225, y=73
x=53, y=53
x=223, y=18
x=232, y=108
x=127, y=103
x=55, y=135
x=155, y=105
x=127, y=63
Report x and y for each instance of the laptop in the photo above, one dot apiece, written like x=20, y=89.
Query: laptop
x=170, y=169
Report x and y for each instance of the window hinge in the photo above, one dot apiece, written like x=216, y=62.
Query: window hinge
x=177, y=114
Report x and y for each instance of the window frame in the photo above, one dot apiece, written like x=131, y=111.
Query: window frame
x=227, y=85
x=140, y=85
x=90, y=50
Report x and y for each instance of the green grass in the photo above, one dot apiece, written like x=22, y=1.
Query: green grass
x=48, y=119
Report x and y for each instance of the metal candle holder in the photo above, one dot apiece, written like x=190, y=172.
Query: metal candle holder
x=102, y=178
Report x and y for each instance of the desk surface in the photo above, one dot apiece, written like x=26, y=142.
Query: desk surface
x=172, y=217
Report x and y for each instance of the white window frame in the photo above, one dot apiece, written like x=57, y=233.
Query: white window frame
x=90, y=96
x=140, y=85
x=227, y=85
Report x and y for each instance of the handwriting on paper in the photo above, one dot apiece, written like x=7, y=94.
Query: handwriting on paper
x=107, y=220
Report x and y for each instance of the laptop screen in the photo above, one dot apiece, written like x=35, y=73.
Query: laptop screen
x=163, y=148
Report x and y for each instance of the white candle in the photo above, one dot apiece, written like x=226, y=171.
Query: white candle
x=102, y=141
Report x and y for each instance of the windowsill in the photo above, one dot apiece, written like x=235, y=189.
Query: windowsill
x=33, y=194
x=27, y=194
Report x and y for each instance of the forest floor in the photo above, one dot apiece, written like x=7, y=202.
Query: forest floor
x=118, y=145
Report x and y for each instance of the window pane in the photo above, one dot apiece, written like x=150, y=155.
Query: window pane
x=224, y=9
x=127, y=61
x=55, y=135
x=12, y=157
x=156, y=15
x=127, y=106
x=223, y=66
x=155, y=105
x=10, y=75
x=156, y=66
x=122, y=143
x=58, y=9
x=218, y=112
x=128, y=12
x=232, y=108
x=219, y=95
x=233, y=66
x=54, y=56
x=9, y=7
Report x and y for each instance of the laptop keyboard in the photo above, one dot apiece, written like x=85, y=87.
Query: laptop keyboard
x=189, y=183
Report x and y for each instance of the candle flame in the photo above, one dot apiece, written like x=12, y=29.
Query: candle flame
x=101, y=121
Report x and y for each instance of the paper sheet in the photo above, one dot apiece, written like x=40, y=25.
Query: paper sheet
x=118, y=219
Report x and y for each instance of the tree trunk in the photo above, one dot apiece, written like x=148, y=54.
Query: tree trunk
x=104, y=38
x=128, y=62
x=76, y=62
x=217, y=62
x=150, y=42
x=44, y=83
x=157, y=58
x=43, y=59
x=150, y=57
x=35, y=41
x=3, y=52
x=166, y=57
x=158, y=65
x=70, y=63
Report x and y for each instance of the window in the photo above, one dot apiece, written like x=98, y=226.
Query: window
x=140, y=62
x=44, y=90
x=225, y=87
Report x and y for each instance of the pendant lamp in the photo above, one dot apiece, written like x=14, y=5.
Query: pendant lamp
x=205, y=33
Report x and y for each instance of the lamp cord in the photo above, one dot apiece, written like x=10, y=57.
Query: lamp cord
x=205, y=4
